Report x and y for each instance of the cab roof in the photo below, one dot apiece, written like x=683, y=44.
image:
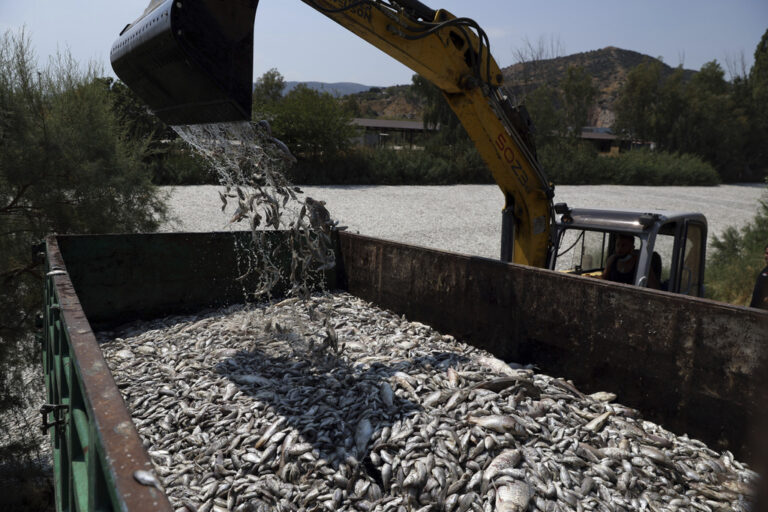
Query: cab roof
x=626, y=221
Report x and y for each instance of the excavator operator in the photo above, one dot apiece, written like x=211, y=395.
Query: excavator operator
x=622, y=264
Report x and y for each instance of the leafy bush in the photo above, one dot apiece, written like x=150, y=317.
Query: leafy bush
x=177, y=164
x=66, y=166
x=643, y=167
x=382, y=166
x=313, y=124
x=733, y=265
x=581, y=165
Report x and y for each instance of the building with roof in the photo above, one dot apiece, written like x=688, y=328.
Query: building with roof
x=379, y=132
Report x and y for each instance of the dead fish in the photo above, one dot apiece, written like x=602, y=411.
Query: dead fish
x=313, y=416
x=319, y=217
x=508, y=458
x=386, y=394
x=264, y=125
x=268, y=433
x=453, y=377
x=362, y=435
x=284, y=149
x=500, y=384
x=240, y=213
x=513, y=497
x=603, y=396
x=497, y=365
x=596, y=424
x=147, y=478
x=497, y=423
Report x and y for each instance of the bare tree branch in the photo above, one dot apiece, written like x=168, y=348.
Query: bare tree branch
x=16, y=199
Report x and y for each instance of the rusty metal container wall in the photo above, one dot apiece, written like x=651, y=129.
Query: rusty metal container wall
x=123, y=277
x=693, y=365
x=690, y=364
x=94, y=465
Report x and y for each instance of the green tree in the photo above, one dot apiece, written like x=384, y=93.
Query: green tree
x=548, y=120
x=736, y=259
x=638, y=98
x=267, y=92
x=134, y=115
x=706, y=116
x=170, y=159
x=352, y=106
x=439, y=114
x=313, y=124
x=558, y=113
x=579, y=93
x=758, y=85
x=66, y=166
x=717, y=130
x=437, y=111
x=671, y=119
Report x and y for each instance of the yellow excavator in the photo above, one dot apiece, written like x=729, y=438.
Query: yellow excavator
x=191, y=61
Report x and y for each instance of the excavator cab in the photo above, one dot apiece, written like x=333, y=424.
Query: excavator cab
x=670, y=246
x=191, y=61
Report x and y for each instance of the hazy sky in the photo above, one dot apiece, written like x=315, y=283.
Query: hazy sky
x=304, y=45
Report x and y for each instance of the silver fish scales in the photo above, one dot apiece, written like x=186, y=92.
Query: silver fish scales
x=245, y=408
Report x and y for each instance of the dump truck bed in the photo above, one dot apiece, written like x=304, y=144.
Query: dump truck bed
x=674, y=358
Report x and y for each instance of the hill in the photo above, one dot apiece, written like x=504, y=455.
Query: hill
x=337, y=89
x=608, y=67
x=396, y=102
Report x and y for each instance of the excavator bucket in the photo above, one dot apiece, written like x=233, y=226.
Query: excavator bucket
x=191, y=61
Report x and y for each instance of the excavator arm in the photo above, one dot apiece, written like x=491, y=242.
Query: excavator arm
x=191, y=61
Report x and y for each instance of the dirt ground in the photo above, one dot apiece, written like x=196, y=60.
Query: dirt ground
x=467, y=218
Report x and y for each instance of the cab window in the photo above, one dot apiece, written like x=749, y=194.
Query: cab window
x=665, y=247
x=690, y=269
x=581, y=251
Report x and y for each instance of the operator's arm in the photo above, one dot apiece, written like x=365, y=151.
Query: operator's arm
x=608, y=264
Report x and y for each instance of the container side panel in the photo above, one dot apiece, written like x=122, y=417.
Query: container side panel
x=96, y=447
x=123, y=277
x=675, y=358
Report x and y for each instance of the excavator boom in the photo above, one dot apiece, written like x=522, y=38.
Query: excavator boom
x=191, y=61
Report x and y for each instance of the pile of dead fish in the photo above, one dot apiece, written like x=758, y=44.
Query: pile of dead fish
x=332, y=404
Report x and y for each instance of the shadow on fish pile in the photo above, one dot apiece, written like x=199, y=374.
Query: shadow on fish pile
x=332, y=404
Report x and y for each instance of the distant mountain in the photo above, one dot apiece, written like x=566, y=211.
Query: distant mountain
x=609, y=68
x=337, y=89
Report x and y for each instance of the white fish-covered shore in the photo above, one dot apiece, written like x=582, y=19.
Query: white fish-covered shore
x=333, y=404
